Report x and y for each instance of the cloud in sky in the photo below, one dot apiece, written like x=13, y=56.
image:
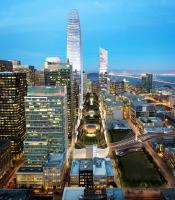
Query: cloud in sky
x=132, y=30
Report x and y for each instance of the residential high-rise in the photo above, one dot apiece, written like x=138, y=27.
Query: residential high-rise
x=74, y=50
x=60, y=74
x=103, y=61
x=103, y=68
x=13, y=89
x=46, y=116
x=147, y=82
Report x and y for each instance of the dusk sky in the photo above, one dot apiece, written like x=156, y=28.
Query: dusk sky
x=139, y=34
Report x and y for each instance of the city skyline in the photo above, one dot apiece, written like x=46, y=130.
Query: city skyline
x=137, y=37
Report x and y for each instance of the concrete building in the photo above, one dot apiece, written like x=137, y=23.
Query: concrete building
x=13, y=89
x=91, y=173
x=5, y=159
x=6, y=66
x=39, y=78
x=153, y=125
x=112, y=108
x=141, y=109
x=30, y=177
x=53, y=171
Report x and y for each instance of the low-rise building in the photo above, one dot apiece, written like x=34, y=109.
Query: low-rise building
x=30, y=177
x=91, y=173
x=149, y=122
x=80, y=193
x=53, y=171
x=141, y=109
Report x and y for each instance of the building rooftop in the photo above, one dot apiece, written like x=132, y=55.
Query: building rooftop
x=79, y=193
x=115, y=193
x=158, y=130
x=100, y=166
x=73, y=193
x=120, y=124
x=86, y=164
x=109, y=168
x=43, y=91
x=55, y=160
x=75, y=168
x=58, y=66
x=28, y=169
x=15, y=194
x=141, y=103
x=53, y=59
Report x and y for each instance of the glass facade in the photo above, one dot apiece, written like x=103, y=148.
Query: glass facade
x=46, y=116
x=13, y=89
x=35, y=151
x=103, y=61
x=74, y=48
x=147, y=82
x=60, y=74
x=74, y=41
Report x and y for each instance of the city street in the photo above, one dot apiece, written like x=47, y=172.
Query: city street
x=159, y=161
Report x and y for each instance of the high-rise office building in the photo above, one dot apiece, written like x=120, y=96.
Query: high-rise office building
x=147, y=82
x=74, y=50
x=46, y=116
x=29, y=70
x=6, y=66
x=118, y=87
x=13, y=89
x=103, y=68
x=60, y=74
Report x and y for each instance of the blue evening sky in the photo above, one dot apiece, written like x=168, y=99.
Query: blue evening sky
x=139, y=34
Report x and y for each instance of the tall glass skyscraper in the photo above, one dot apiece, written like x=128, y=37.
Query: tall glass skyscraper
x=74, y=54
x=103, y=71
x=74, y=51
